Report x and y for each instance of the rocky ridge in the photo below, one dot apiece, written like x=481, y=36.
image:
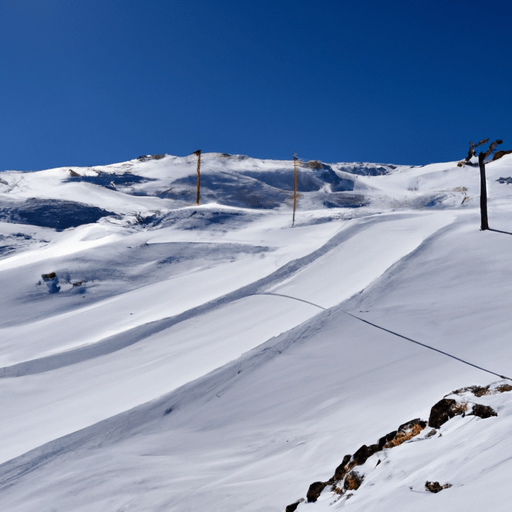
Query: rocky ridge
x=347, y=479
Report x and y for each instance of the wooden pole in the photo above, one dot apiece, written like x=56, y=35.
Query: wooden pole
x=484, y=223
x=198, y=192
x=295, y=185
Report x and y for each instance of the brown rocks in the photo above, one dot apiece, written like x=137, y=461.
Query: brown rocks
x=341, y=470
x=442, y=412
x=346, y=479
x=385, y=439
x=364, y=453
x=436, y=486
x=314, y=491
x=483, y=411
x=353, y=481
x=405, y=432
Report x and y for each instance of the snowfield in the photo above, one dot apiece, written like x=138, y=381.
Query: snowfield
x=157, y=355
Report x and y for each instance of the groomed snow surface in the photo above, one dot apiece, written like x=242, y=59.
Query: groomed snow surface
x=177, y=357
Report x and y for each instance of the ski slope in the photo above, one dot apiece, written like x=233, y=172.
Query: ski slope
x=216, y=355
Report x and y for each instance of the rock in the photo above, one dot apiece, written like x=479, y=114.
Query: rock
x=411, y=424
x=436, y=486
x=293, y=506
x=433, y=486
x=483, y=411
x=314, y=491
x=361, y=455
x=442, y=412
x=406, y=431
x=386, y=439
x=353, y=481
x=476, y=390
x=341, y=470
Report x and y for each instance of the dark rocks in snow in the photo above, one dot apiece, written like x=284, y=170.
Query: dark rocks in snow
x=361, y=455
x=353, y=481
x=341, y=470
x=436, y=487
x=411, y=424
x=364, y=453
x=406, y=431
x=293, y=506
x=484, y=390
x=346, y=479
x=350, y=479
x=483, y=411
x=386, y=439
x=442, y=412
x=314, y=491
x=476, y=390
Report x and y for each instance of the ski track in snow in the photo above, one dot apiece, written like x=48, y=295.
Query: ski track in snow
x=292, y=270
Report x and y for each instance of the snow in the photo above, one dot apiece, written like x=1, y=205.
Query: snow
x=216, y=356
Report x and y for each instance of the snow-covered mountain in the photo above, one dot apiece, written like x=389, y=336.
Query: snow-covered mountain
x=159, y=355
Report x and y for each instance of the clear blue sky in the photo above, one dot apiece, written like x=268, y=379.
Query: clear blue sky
x=86, y=82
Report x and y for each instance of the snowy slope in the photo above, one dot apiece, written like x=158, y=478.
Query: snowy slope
x=216, y=355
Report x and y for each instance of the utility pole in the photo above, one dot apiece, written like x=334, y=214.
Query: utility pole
x=198, y=192
x=484, y=221
x=295, y=185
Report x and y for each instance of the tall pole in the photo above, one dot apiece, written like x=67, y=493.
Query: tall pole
x=295, y=184
x=198, y=192
x=484, y=223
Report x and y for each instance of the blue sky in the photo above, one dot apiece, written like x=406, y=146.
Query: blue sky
x=88, y=82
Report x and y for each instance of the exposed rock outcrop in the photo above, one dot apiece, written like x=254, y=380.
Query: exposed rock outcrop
x=441, y=412
x=315, y=489
x=346, y=478
x=436, y=486
x=483, y=411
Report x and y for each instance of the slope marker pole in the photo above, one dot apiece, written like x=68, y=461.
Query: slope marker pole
x=295, y=185
x=198, y=191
